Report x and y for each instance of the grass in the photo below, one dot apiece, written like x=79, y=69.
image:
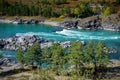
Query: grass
x=23, y=77
x=59, y=19
x=43, y=74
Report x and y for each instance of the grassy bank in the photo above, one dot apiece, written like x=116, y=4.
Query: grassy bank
x=44, y=74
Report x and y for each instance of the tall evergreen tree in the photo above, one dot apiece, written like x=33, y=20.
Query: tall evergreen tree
x=101, y=55
x=76, y=56
x=34, y=55
x=20, y=56
x=57, y=53
x=89, y=52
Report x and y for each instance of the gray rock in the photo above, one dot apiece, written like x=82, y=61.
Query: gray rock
x=92, y=23
x=111, y=22
x=5, y=62
x=17, y=21
x=26, y=22
x=46, y=44
x=34, y=21
x=25, y=42
x=65, y=44
x=69, y=24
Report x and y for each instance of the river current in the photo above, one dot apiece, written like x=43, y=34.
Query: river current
x=112, y=39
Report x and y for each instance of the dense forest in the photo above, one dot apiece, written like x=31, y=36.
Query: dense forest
x=57, y=8
x=88, y=61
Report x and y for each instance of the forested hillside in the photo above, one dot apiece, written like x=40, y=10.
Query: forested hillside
x=56, y=8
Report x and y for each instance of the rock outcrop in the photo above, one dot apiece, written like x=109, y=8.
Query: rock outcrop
x=111, y=22
x=69, y=24
x=24, y=42
x=91, y=23
x=6, y=62
x=13, y=43
x=19, y=21
x=7, y=65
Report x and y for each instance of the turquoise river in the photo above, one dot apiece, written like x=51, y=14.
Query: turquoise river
x=112, y=39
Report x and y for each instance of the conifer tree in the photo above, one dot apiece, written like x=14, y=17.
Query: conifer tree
x=34, y=55
x=76, y=56
x=20, y=56
x=57, y=53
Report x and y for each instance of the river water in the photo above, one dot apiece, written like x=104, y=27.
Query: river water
x=112, y=39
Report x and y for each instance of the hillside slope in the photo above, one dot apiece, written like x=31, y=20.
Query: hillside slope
x=56, y=8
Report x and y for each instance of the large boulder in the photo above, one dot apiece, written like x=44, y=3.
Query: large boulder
x=92, y=23
x=111, y=22
x=16, y=42
x=25, y=41
x=5, y=62
x=65, y=44
x=69, y=24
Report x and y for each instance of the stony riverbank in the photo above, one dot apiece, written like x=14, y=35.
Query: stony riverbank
x=25, y=41
x=111, y=23
x=7, y=64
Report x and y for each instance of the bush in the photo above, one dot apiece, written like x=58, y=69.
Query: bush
x=107, y=11
x=62, y=16
x=84, y=10
x=20, y=56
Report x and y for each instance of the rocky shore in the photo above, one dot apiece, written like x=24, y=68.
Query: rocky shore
x=25, y=41
x=19, y=21
x=111, y=23
x=6, y=62
x=8, y=65
x=15, y=42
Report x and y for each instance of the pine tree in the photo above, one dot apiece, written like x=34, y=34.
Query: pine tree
x=89, y=52
x=20, y=56
x=76, y=56
x=47, y=56
x=101, y=55
x=57, y=54
x=34, y=55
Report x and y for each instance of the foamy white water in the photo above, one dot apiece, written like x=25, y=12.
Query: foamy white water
x=71, y=34
x=87, y=35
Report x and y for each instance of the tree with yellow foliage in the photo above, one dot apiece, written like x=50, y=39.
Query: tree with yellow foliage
x=107, y=11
